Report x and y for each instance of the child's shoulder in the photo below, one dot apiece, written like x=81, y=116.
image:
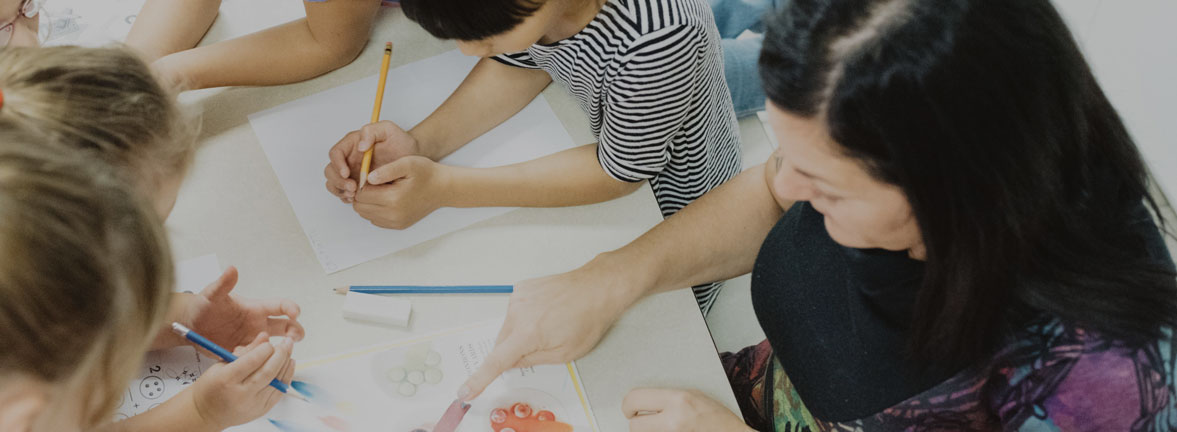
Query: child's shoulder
x=654, y=15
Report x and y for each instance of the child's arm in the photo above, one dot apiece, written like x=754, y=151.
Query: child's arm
x=490, y=94
x=560, y=318
x=330, y=37
x=167, y=26
x=404, y=191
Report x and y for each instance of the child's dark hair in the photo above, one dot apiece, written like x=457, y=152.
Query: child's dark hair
x=469, y=20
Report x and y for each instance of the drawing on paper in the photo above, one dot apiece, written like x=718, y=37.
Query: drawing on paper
x=151, y=387
x=523, y=417
x=402, y=373
x=361, y=391
x=167, y=372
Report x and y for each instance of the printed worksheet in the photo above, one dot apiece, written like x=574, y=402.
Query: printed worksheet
x=409, y=384
x=297, y=136
x=166, y=372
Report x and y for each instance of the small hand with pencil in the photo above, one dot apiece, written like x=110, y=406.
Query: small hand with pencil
x=388, y=143
x=374, y=145
x=229, y=394
x=233, y=321
x=401, y=193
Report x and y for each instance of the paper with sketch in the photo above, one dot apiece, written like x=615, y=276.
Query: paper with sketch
x=297, y=136
x=408, y=384
x=166, y=372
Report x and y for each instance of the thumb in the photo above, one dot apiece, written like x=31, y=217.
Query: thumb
x=390, y=172
x=222, y=285
x=504, y=357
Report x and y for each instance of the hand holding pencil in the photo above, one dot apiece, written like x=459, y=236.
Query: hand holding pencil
x=380, y=142
x=230, y=394
x=366, y=164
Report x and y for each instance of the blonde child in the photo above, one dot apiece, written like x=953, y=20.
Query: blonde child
x=107, y=105
x=331, y=36
x=85, y=280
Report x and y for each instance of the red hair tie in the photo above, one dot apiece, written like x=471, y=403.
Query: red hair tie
x=1, y=98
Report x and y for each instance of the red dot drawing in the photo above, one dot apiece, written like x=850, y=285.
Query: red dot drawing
x=519, y=417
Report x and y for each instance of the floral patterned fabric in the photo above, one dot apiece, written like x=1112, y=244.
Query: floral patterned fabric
x=1049, y=377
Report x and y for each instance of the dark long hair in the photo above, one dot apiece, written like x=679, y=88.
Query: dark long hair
x=469, y=20
x=1020, y=173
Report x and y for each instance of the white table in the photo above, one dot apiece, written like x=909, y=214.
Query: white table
x=232, y=205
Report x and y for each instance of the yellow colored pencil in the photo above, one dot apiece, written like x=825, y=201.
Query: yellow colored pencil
x=367, y=164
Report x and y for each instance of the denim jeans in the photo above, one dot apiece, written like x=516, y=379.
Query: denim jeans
x=740, y=56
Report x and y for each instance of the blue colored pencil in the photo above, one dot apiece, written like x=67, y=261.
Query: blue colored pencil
x=427, y=289
x=228, y=357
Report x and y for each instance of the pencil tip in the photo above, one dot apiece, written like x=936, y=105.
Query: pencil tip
x=342, y=290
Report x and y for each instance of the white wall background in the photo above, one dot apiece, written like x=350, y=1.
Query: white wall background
x=1132, y=46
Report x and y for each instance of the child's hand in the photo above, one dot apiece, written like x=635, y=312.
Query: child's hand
x=231, y=394
x=390, y=143
x=403, y=192
x=229, y=320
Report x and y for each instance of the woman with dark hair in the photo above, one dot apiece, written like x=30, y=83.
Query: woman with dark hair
x=954, y=234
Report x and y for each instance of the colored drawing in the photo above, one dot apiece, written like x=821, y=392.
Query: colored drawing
x=359, y=391
x=528, y=410
x=520, y=417
x=313, y=392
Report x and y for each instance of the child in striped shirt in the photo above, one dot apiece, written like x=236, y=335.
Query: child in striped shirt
x=649, y=74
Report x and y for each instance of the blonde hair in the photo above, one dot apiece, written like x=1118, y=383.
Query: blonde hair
x=106, y=99
x=85, y=271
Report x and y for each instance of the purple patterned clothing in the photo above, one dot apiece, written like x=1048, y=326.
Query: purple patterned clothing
x=1050, y=377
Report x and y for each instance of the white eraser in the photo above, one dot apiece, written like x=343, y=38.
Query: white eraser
x=377, y=309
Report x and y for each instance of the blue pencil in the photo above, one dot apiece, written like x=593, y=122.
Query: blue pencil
x=427, y=289
x=228, y=357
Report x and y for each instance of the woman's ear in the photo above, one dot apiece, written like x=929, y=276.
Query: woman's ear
x=22, y=401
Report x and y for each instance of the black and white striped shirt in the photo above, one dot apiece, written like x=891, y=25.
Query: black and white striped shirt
x=649, y=73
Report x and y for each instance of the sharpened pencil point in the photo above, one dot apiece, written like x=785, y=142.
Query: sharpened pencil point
x=342, y=290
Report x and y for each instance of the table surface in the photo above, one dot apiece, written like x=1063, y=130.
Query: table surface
x=232, y=205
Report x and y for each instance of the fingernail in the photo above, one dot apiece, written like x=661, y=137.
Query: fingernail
x=373, y=179
x=463, y=392
x=343, y=173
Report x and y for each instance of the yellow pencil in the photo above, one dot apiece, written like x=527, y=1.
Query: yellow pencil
x=367, y=164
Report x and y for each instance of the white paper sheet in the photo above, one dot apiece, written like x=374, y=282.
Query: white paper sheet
x=408, y=384
x=297, y=136
x=166, y=372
